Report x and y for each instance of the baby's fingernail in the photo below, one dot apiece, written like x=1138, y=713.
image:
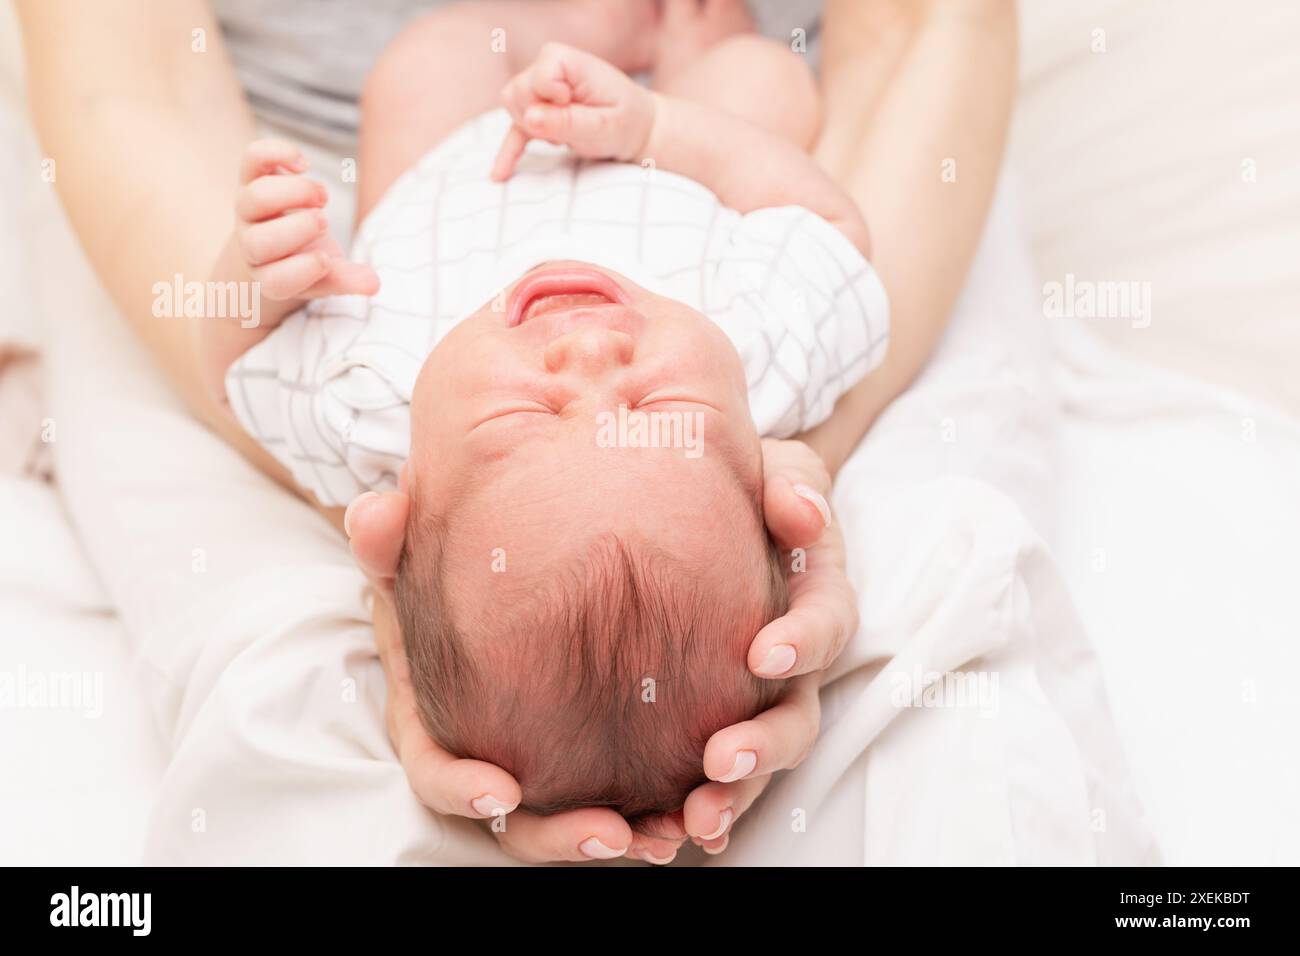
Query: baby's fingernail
x=717, y=849
x=724, y=821
x=779, y=660
x=745, y=763
x=322, y=221
x=489, y=806
x=595, y=850
x=347, y=515
x=811, y=494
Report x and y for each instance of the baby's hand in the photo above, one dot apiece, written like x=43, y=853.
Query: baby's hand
x=283, y=234
x=577, y=100
x=282, y=244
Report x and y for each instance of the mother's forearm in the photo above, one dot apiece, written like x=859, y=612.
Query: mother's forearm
x=919, y=147
x=140, y=110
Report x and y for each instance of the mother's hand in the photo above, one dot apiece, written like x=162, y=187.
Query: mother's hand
x=473, y=788
x=739, y=760
x=823, y=615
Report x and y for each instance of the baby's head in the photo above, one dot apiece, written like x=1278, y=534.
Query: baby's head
x=586, y=561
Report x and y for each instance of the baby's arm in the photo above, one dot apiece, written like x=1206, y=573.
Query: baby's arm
x=746, y=166
x=571, y=97
x=280, y=245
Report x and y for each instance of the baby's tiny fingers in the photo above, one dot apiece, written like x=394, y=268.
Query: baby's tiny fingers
x=585, y=128
x=547, y=81
x=264, y=156
x=552, y=123
x=269, y=196
x=512, y=147
x=274, y=239
x=287, y=278
x=346, y=277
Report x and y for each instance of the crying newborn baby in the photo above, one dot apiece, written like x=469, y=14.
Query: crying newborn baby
x=567, y=326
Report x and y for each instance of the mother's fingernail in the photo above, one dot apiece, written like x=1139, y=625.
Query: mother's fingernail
x=745, y=763
x=718, y=849
x=657, y=861
x=811, y=494
x=347, y=515
x=724, y=821
x=490, y=806
x=594, y=849
x=779, y=660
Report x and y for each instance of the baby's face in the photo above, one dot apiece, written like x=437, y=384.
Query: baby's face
x=530, y=424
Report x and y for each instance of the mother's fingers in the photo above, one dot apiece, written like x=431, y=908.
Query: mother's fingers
x=796, y=514
x=459, y=787
x=777, y=739
x=592, y=833
x=712, y=808
x=376, y=528
x=809, y=636
x=822, y=616
x=443, y=782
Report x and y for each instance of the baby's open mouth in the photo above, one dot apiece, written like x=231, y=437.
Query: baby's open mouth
x=560, y=289
x=562, y=301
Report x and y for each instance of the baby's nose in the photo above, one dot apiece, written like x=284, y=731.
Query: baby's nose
x=589, y=350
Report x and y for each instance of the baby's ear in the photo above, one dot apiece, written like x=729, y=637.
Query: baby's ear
x=376, y=527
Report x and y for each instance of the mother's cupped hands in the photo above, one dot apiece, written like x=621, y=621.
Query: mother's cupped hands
x=738, y=760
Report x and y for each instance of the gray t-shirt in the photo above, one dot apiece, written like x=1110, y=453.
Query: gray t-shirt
x=303, y=63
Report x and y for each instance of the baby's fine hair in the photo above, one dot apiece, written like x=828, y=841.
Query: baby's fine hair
x=600, y=691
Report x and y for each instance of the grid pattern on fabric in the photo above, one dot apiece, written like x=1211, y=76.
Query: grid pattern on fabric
x=328, y=392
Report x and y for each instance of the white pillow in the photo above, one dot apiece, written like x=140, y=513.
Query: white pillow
x=1158, y=144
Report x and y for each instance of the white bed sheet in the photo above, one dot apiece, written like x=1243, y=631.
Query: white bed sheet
x=79, y=752
x=1182, y=543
